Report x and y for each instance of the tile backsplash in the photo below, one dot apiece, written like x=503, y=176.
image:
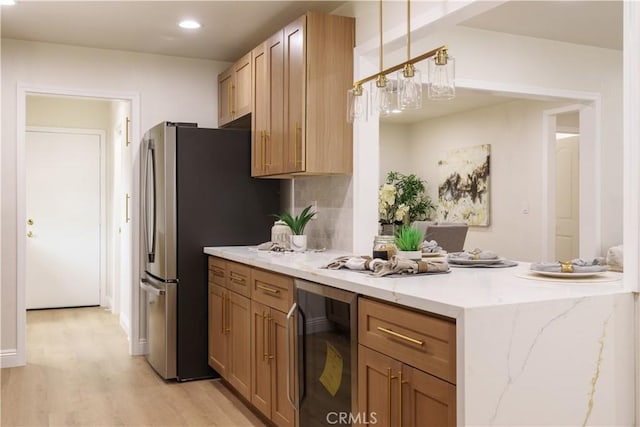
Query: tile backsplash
x=333, y=228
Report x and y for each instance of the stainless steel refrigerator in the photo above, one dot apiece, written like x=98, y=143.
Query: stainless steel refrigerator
x=196, y=191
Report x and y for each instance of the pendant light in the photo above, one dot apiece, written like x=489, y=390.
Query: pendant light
x=391, y=95
x=382, y=100
x=441, y=76
x=410, y=78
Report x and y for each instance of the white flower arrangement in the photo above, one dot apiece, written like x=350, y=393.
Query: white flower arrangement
x=401, y=199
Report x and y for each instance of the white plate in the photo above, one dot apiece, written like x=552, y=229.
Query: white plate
x=568, y=275
x=474, y=261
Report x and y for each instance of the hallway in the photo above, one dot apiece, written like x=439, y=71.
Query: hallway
x=78, y=373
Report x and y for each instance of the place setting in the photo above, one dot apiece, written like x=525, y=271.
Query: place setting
x=478, y=258
x=576, y=270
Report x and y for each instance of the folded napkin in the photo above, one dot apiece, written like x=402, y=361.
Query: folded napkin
x=395, y=265
x=574, y=266
x=474, y=255
x=353, y=262
x=430, y=247
x=273, y=246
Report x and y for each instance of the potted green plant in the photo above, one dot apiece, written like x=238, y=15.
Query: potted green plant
x=408, y=241
x=297, y=225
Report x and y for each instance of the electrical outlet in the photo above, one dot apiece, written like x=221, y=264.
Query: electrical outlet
x=314, y=208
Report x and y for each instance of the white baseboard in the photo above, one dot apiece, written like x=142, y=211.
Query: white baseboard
x=106, y=303
x=140, y=348
x=10, y=358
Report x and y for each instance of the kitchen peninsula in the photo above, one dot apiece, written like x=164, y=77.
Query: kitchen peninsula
x=527, y=352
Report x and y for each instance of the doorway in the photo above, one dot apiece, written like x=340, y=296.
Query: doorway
x=567, y=206
x=117, y=115
x=571, y=175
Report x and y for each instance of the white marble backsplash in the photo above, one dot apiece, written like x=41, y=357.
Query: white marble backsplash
x=333, y=228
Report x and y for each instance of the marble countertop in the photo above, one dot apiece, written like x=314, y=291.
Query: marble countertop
x=445, y=294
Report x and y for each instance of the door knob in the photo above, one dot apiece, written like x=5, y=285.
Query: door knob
x=30, y=234
x=30, y=221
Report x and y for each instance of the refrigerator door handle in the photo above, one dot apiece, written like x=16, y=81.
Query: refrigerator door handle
x=150, y=240
x=289, y=317
x=150, y=288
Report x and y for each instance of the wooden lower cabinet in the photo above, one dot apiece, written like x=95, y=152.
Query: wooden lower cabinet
x=272, y=366
x=229, y=337
x=392, y=393
x=218, y=343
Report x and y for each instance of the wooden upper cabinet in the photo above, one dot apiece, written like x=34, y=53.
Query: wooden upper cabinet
x=267, y=117
x=317, y=71
x=234, y=91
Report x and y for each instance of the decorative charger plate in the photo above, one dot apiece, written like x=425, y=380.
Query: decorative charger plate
x=475, y=261
x=560, y=275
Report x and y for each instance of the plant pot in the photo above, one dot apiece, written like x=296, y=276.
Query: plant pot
x=298, y=242
x=413, y=255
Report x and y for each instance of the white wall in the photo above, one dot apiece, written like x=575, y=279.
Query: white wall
x=170, y=88
x=514, y=131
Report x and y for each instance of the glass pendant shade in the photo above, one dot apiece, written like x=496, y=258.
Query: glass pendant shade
x=383, y=96
x=441, y=78
x=409, y=88
x=357, y=104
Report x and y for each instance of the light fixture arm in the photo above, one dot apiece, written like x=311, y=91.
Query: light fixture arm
x=401, y=65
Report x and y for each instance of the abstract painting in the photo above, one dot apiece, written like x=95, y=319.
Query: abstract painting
x=463, y=193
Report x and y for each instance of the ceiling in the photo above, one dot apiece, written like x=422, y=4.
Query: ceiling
x=229, y=28
x=232, y=28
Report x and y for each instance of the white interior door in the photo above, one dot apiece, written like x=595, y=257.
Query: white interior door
x=567, y=198
x=63, y=204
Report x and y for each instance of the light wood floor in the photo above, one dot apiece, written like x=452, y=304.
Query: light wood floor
x=79, y=373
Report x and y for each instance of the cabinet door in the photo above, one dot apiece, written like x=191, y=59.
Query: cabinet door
x=426, y=400
x=378, y=392
x=239, y=362
x=294, y=96
x=260, y=363
x=225, y=92
x=242, y=87
x=282, y=369
x=217, y=329
x=259, y=117
x=274, y=142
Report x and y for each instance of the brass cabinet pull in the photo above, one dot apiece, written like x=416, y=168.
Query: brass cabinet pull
x=262, y=149
x=126, y=132
x=30, y=234
x=30, y=221
x=268, y=289
x=389, y=379
x=265, y=352
x=237, y=279
x=400, y=399
x=233, y=100
x=127, y=218
x=269, y=327
x=229, y=95
x=222, y=316
x=227, y=328
x=397, y=335
x=295, y=145
x=267, y=138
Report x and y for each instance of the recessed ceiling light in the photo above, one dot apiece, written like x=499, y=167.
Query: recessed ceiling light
x=7, y=2
x=189, y=24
